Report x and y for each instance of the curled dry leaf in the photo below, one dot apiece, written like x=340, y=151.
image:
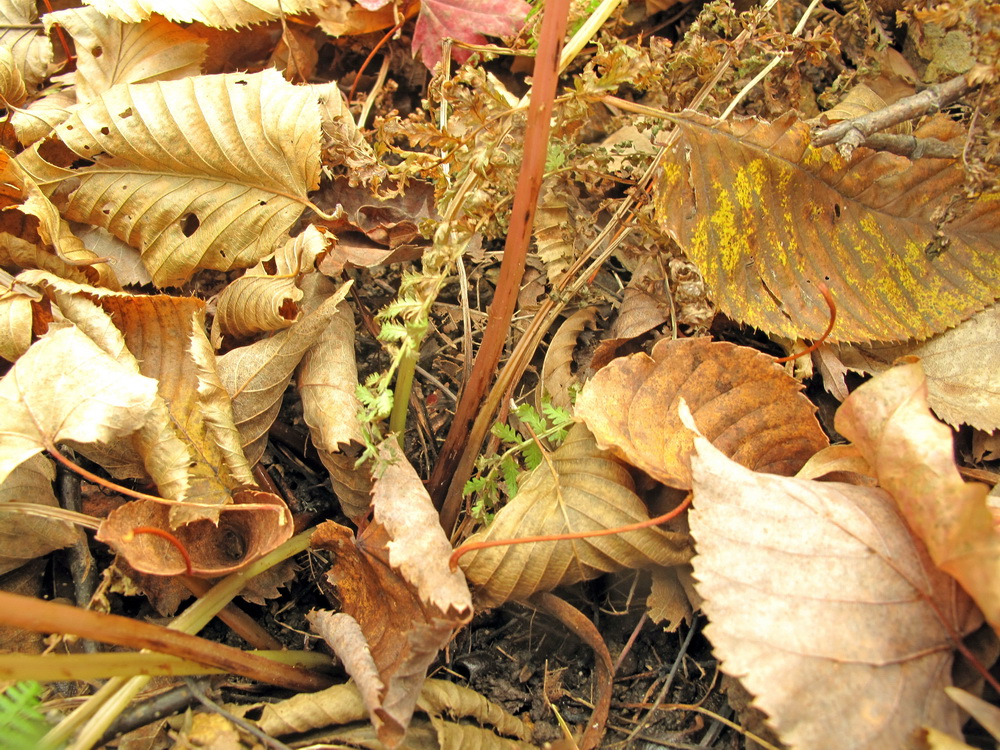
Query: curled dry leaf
x=579, y=488
x=821, y=583
x=888, y=419
x=252, y=526
x=256, y=375
x=23, y=537
x=744, y=402
x=342, y=704
x=400, y=601
x=222, y=200
x=31, y=49
x=867, y=227
x=12, y=90
x=267, y=296
x=15, y=323
x=557, y=368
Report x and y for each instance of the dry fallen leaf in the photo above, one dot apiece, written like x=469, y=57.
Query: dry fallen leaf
x=888, y=419
x=579, y=488
x=742, y=400
x=400, y=601
x=464, y=21
x=866, y=227
x=820, y=587
x=557, y=368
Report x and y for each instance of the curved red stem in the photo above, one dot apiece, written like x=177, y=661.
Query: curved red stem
x=188, y=568
x=825, y=291
x=459, y=551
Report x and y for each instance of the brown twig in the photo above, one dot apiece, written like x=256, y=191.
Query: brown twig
x=522, y=218
x=849, y=134
x=40, y=616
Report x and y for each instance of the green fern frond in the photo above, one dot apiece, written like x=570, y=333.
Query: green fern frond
x=22, y=725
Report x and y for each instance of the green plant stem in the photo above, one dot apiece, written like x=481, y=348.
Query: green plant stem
x=529, y=184
x=401, y=393
x=101, y=666
x=102, y=708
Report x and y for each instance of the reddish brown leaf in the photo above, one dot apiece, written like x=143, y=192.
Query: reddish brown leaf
x=889, y=420
x=464, y=21
x=245, y=531
x=742, y=401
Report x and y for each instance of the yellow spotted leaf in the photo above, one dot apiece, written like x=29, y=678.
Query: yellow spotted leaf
x=766, y=217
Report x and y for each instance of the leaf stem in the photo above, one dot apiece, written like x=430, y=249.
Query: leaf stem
x=470, y=546
x=401, y=393
x=832, y=306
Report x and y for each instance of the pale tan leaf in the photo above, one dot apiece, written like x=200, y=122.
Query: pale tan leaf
x=53, y=229
x=124, y=258
x=867, y=227
x=109, y=52
x=962, y=366
x=267, y=296
x=940, y=741
x=204, y=172
x=18, y=252
x=41, y=116
x=15, y=324
x=226, y=14
x=340, y=704
x=985, y=713
x=66, y=389
x=23, y=537
x=812, y=583
x=557, y=367
x=742, y=400
x=256, y=375
x=31, y=50
x=589, y=491
x=912, y=454
x=554, y=229
x=12, y=91
x=668, y=601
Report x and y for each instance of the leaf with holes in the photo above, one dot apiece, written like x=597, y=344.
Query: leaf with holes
x=205, y=172
x=766, y=217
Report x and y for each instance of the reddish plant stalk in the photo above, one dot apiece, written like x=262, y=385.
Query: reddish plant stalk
x=470, y=546
x=529, y=183
x=164, y=534
x=832, y=306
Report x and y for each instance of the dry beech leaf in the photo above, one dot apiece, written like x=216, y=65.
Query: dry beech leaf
x=12, y=90
x=231, y=14
x=865, y=226
x=15, y=323
x=342, y=704
x=166, y=337
x=400, y=601
x=555, y=227
x=31, y=50
x=669, y=600
x=557, y=368
x=743, y=402
x=15, y=251
x=267, y=296
x=589, y=491
x=65, y=389
x=912, y=454
x=109, y=52
x=985, y=713
x=215, y=192
x=327, y=382
x=125, y=259
x=252, y=526
x=821, y=583
x=962, y=366
x=40, y=116
x=256, y=375
x=23, y=537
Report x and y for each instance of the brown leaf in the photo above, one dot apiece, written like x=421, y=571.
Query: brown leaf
x=580, y=488
x=888, y=419
x=256, y=375
x=252, y=526
x=557, y=368
x=741, y=399
x=866, y=227
x=400, y=602
x=810, y=583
